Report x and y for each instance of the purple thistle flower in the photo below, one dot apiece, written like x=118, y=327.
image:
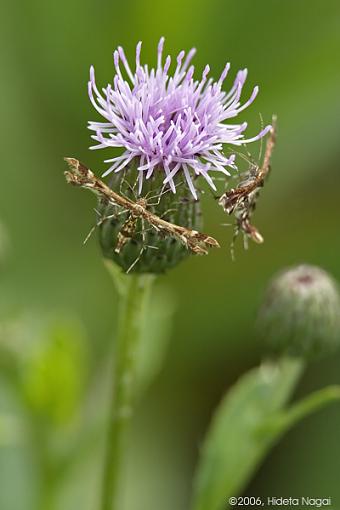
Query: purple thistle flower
x=169, y=123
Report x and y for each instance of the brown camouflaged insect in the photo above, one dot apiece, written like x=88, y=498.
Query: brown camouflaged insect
x=241, y=201
x=80, y=175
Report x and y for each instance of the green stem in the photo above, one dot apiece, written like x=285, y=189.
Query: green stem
x=46, y=466
x=134, y=291
x=317, y=400
x=47, y=493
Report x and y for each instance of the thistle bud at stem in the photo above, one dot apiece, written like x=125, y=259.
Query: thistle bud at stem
x=134, y=243
x=172, y=129
x=300, y=314
x=130, y=222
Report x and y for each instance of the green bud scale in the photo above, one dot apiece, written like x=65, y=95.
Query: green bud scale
x=130, y=241
x=127, y=221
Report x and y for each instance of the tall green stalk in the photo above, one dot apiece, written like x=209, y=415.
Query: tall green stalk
x=133, y=292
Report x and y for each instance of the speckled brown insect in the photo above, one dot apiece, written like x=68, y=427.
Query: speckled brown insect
x=241, y=201
x=79, y=175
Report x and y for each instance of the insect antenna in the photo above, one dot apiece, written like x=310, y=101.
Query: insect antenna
x=261, y=139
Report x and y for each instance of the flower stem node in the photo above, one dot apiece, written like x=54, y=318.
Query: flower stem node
x=300, y=314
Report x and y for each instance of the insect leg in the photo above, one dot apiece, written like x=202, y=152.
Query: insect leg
x=98, y=224
x=142, y=250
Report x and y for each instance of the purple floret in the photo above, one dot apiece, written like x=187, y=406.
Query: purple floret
x=171, y=123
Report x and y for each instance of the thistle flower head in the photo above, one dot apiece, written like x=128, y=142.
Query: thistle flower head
x=170, y=123
x=300, y=314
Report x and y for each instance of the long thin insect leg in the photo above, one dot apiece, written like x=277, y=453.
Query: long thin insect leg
x=98, y=224
x=245, y=241
x=90, y=233
x=128, y=185
x=165, y=189
x=146, y=230
x=142, y=250
x=219, y=179
x=158, y=196
x=168, y=211
x=232, y=246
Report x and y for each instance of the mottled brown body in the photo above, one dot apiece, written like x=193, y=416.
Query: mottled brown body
x=129, y=227
x=241, y=201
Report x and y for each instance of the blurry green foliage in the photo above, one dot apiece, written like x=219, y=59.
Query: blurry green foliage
x=252, y=416
x=291, y=50
x=53, y=379
x=46, y=360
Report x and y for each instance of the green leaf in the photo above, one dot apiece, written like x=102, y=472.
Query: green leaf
x=284, y=420
x=233, y=446
x=250, y=419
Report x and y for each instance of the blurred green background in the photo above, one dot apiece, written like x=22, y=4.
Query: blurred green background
x=291, y=49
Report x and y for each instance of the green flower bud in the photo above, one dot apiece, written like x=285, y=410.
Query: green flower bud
x=132, y=242
x=145, y=231
x=300, y=314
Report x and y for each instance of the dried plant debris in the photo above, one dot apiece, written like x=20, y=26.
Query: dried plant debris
x=241, y=201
